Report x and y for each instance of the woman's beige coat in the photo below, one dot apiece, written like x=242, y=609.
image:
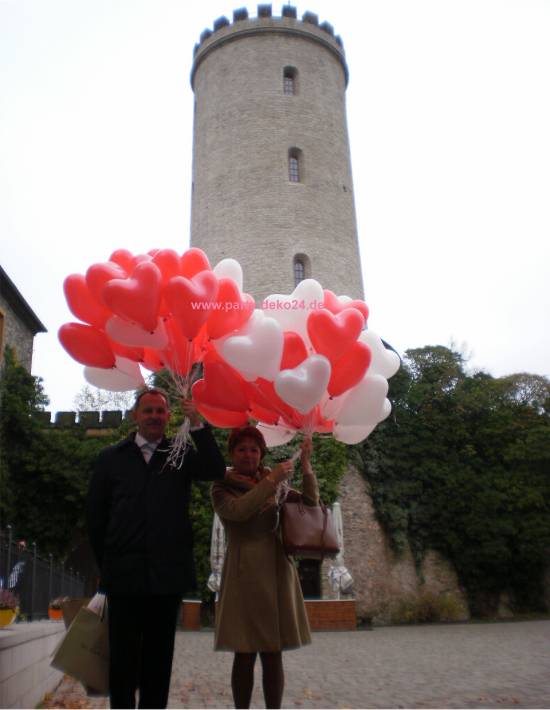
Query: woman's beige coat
x=260, y=607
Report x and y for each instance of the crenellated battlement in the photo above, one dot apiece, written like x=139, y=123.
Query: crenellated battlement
x=85, y=420
x=223, y=30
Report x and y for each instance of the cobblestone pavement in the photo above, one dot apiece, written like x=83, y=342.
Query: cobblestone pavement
x=494, y=665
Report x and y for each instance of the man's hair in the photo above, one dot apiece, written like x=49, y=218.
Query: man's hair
x=150, y=390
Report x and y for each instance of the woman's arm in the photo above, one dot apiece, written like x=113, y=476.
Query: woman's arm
x=310, y=487
x=239, y=508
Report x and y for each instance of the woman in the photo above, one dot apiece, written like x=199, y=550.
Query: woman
x=261, y=608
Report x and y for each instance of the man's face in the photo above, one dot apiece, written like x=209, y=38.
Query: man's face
x=151, y=416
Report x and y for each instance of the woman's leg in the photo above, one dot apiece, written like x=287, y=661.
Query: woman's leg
x=242, y=679
x=273, y=678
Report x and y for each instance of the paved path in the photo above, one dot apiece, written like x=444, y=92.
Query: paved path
x=496, y=665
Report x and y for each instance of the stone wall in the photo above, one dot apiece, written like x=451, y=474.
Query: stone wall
x=384, y=582
x=243, y=204
x=25, y=656
x=16, y=334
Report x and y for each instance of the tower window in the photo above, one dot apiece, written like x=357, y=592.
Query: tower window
x=299, y=271
x=294, y=165
x=289, y=81
x=302, y=268
x=294, y=170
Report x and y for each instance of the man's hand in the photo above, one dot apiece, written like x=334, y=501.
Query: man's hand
x=189, y=409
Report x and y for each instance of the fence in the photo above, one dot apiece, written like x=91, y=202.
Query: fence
x=34, y=580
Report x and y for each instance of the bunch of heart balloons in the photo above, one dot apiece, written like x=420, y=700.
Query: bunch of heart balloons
x=300, y=362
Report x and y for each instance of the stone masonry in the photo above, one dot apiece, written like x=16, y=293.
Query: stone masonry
x=384, y=580
x=243, y=204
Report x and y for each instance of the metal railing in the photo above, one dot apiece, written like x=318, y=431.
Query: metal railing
x=33, y=579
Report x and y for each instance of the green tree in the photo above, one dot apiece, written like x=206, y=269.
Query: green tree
x=463, y=466
x=45, y=470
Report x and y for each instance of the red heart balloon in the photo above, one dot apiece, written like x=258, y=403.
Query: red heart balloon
x=294, y=351
x=265, y=416
x=178, y=357
x=231, y=311
x=82, y=303
x=124, y=259
x=333, y=335
x=335, y=305
x=130, y=353
x=221, y=387
x=140, y=258
x=151, y=360
x=137, y=298
x=100, y=274
x=87, y=344
x=262, y=393
x=168, y=262
x=193, y=261
x=222, y=417
x=189, y=300
x=348, y=370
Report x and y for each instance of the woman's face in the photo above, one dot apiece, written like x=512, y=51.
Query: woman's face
x=246, y=457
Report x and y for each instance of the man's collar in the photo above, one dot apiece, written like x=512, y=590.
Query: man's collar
x=141, y=440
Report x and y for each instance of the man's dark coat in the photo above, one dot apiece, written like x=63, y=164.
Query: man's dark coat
x=138, y=515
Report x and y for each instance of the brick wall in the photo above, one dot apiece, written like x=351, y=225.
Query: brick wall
x=331, y=615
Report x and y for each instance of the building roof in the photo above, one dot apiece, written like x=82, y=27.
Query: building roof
x=20, y=307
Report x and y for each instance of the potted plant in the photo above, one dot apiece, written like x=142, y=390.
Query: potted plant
x=8, y=607
x=55, y=609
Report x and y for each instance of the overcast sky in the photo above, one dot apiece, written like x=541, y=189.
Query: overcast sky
x=449, y=114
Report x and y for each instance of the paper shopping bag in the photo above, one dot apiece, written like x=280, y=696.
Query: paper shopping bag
x=84, y=652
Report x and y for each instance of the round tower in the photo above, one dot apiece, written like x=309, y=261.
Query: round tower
x=272, y=183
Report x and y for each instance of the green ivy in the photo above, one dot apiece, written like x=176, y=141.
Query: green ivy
x=463, y=467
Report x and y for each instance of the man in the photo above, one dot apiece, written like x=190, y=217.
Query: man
x=138, y=521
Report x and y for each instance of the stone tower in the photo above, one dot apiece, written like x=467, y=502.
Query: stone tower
x=272, y=183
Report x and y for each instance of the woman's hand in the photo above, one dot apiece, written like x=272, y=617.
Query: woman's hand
x=305, y=456
x=189, y=410
x=281, y=472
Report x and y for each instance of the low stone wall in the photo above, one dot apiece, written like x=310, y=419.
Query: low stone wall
x=25, y=655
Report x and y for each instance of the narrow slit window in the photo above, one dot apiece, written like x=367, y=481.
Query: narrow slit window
x=293, y=169
x=299, y=271
x=289, y=81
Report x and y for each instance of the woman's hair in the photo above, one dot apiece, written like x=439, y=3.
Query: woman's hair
x=247, y=432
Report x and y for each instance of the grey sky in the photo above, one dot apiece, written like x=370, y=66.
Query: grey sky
x=448, y=110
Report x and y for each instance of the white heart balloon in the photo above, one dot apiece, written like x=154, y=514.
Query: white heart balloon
x=386, y=411
x=364, y=403
x=230, y=269
x=134, y=335
x=330, y=406
x=292, y=311
x=351, y=434
x=276, y=435
x=304, y=386
x=384, y=362
x=124, y=376
x=256, y=350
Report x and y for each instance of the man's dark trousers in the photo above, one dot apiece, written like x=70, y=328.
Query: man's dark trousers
x=141, y=638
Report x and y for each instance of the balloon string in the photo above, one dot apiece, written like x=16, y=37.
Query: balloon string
x=182, y=385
